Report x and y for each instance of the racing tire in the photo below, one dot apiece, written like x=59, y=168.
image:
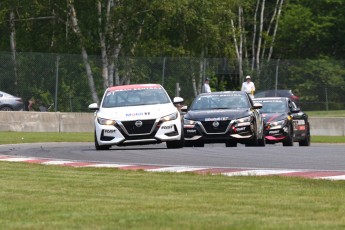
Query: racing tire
x=199, y=144
x=306, y=141
x=288, y=141
x=6, y=108
x=188, y=144
x=101, y=147
x=176, y=144
x=254, y=141
x=230, y=144
x=262, y=141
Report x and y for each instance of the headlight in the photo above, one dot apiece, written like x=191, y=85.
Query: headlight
x=170, y=117
x=188, y=122
x=103, y=121
x=278, y=124
x=244, y=121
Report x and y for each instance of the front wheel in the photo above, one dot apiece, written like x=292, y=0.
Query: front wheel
x=6, y=108
x=288, y=141
x=101, y=147
x=230, y=144
x=262, y=141
x=175, y=144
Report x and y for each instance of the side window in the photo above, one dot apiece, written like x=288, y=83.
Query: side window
x=291, y=105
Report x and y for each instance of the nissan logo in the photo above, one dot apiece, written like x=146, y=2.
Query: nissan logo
x=138, y=124
x=215, y=124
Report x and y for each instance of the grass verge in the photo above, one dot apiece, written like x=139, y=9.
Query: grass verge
x=23, y=137
x=50, y=197
x=325, y=113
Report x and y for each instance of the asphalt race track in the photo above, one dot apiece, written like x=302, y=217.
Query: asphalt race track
x=316, y=157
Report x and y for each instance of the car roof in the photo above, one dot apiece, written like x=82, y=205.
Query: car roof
x=134, y=87
x=223, y=92
x=270, y=90
x=6, y=94
x=270, y=98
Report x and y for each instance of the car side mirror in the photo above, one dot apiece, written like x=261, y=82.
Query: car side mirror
x=178, y=100
x=94, y=106
x=257, y=106
x=295, y=110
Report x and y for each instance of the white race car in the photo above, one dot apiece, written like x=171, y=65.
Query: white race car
x=137, y=114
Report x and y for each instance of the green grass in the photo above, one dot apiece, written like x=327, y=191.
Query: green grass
x=328, y=139
x=325, y=113
x=50, y=197
x=32, y=137
x=22, y=137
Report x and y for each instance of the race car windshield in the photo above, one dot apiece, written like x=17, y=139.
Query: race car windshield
x=221, y=101
x=273, y=106
x=135, y=97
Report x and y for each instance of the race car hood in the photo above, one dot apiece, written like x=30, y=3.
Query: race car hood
x=224, y=114
x=142, y=112
x=270, y=117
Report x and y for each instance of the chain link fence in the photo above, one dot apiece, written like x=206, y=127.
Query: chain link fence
x=60, y=80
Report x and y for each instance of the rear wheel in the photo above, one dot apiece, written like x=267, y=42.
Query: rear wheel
x=306, y=141
x=101, y=147
x=288, y=141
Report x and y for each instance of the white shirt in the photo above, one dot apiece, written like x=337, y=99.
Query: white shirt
x=206, y=88
x=248, y=87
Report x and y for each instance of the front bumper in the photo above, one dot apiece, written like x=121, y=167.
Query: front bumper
x=276, y=135
x=126, y=133
x=218, y=131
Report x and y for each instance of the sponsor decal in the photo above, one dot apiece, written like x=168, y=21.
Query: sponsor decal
x=137, y=114
x=191, y=131
x=274, y=132
x=167, y=127
x=241, y=129
x=107, y=131
x=216, y=119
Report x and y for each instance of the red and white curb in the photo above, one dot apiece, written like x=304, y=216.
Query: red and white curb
x=314, y=174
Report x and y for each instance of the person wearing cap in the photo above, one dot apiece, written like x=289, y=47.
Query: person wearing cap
x=206, y=87
x=248, y=87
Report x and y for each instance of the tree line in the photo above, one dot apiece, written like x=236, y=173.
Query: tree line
x=253, y=34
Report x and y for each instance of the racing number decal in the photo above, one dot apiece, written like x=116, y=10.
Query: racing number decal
x=299, y=125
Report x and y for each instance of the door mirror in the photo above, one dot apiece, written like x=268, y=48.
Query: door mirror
x=257, y=106
x=94, y=106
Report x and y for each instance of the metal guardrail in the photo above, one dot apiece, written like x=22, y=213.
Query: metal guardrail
x=83, y=122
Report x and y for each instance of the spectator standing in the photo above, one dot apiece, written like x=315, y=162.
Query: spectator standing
x=248, y=87
x=206, y=87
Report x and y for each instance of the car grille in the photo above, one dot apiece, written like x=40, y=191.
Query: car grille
x=132, y=129
x=221, y=128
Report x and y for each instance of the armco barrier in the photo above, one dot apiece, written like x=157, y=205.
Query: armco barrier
x=46, y=122
x=83, y=122
x=327, y=126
